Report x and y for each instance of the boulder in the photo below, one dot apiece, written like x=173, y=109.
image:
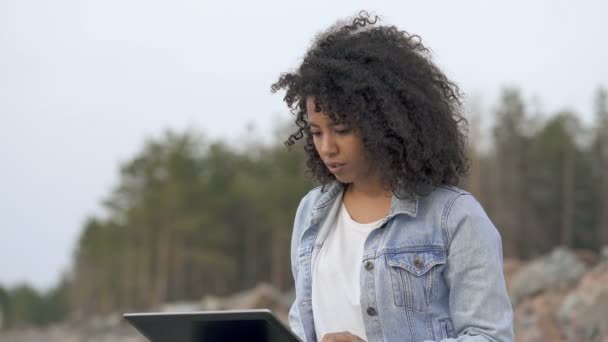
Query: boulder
x=561, y=269
x=584, y=312
x=604, y=253
x=511, y=267
x=534, y=319
x=263, y=296
x=182, y=307
x=588, y=257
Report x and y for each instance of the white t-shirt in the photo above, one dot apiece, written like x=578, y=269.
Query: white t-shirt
x=335, y=280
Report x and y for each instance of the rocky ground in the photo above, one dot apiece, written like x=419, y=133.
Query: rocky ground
x=562, y=296
x=115, y=329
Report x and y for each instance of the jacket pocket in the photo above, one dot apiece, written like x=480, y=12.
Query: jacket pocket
x=413, y=274
x=446, y=328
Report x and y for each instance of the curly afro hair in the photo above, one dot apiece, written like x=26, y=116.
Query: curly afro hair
x=383, y=83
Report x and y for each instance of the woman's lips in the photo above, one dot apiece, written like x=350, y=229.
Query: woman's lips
x=335, y=167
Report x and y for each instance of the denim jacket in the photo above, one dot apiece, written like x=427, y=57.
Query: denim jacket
x=432, y=271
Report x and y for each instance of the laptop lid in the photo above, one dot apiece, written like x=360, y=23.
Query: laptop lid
x=211, y=326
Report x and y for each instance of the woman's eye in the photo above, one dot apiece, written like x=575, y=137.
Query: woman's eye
x=315, y=133
x=342, y=130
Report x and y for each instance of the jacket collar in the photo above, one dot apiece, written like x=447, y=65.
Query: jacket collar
x=333, y=191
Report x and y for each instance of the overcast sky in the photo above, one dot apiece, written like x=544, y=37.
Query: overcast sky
x=83, y=83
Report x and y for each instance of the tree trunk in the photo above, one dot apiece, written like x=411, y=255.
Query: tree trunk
x=250, y=256
x=603, y=212
x=474, y=171
x=162, y=266
x=567, y=196
x=177, y=278
x=143, y=251
x=278, y=258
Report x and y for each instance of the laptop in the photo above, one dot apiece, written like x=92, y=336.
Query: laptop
x=211, y=326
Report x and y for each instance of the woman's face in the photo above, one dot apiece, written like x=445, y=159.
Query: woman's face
x=339, y=146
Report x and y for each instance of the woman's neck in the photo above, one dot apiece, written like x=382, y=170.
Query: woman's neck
x=368, y=189
x=367, y=203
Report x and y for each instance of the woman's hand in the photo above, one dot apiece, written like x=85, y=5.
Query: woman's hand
x=344, y=336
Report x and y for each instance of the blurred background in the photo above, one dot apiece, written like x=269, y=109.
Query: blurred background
x=143, y=165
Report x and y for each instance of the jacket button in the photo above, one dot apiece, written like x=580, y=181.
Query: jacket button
x=371, y=311
x=369, y=265
x=418, y=262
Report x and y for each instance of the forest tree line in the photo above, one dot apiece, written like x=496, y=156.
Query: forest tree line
x=190, y=218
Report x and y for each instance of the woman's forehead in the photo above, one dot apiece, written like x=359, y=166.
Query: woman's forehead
x=318, y=110
x=324, y=119
x=313, y=104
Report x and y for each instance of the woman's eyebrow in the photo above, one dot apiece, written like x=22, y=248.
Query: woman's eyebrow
x=333, y=124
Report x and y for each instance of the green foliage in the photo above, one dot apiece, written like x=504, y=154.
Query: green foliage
x=543, y=188
x=4, y=307
x=23, y=306
x=189, y=218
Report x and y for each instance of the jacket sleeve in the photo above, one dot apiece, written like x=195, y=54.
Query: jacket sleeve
x=294, y=321
x=479, y=303
x=294, y=314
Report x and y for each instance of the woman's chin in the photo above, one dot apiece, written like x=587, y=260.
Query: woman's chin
x=343, y=180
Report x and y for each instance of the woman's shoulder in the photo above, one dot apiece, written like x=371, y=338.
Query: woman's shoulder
x=440, y=199
x=307, y=203
x=457, y=208
x=311, y=197
x=320, y=196
x=464, y=215
x=452, y=200
x=313, y=194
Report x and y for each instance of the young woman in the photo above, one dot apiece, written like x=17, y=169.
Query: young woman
x=388, y=248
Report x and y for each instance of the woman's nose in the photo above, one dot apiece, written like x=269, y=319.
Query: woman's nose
x=328, y=146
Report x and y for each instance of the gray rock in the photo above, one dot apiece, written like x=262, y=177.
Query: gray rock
x=263, y=296
x=583, y=314
x=113, y=328
x=604, y=253
x=66, y=333
x=560, y=268
x=212, y=303
x=182, y=307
